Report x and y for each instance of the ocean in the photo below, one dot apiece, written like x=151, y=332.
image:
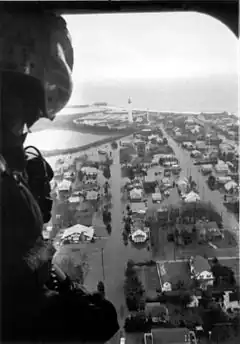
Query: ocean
x=212, y=94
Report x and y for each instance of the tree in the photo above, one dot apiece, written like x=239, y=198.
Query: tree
x=107, y=172
x=165, y=141
x=223, y=275
x=131, y=174
x=109, y=228
x=133, y=288
x=80, y=175
x=211, y=181
x=127, y=227
x=114, y=145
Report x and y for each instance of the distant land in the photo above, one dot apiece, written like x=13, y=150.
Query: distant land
x=64, y=120
x=215, y=93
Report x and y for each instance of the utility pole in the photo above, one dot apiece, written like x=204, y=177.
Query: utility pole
x=103, y=264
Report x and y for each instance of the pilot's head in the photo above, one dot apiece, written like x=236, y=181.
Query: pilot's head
x=36, y=59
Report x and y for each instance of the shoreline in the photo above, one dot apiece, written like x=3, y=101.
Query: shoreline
x=65, y=151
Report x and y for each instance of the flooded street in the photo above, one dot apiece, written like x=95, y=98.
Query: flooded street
x=215, y=197
x=115, y=253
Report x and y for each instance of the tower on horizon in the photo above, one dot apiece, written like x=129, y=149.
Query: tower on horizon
x=130, y=116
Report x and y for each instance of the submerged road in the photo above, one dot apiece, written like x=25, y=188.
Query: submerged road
x=114, y=253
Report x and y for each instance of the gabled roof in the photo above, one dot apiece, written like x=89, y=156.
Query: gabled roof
x=201, y=264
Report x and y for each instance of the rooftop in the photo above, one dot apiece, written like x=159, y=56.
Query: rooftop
x=170, y=335
x=174, y=272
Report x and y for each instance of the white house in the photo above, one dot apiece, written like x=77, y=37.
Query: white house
x=136, y=194
x=191, y=197
x=231, y=185
x=77, y=230
x=167, y=286
x=230, y=301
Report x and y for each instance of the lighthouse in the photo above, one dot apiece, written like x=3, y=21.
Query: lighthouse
x=130, y=116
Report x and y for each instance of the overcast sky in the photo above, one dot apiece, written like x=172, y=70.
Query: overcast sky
x=150, y=45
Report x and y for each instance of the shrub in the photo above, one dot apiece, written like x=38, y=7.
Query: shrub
x=133, y=289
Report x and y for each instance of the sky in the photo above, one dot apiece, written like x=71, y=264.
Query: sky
x=150, y=46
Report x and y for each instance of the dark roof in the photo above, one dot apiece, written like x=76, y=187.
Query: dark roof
x=174, y=272
x=155, y=309
x=170, y=335
x=201, y=264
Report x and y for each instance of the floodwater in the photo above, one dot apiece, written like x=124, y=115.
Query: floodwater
x=52, y=139
x=215, y=197
x=108, y=257
x=111, y=264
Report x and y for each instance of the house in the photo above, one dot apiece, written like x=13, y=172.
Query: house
x=191, y=197
x=223, y=180
x=136, y=194
x=64, y=186
x=201, y=146
x=206, y=169
x=139, y=236
x=201, y=271
x=230, y=186
x=179, y=335
x=74, y=199
x=221, y=167
x=68, y=175
x=90, y=171
x=157, y=312
x=188, y=145
x=195, y=153
x=156, y=197
x=231, y=301
x=77, y=232
x=171, y=273
x=140, y=146
x=226, y=148
x=92, y=195
x=138, y=207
